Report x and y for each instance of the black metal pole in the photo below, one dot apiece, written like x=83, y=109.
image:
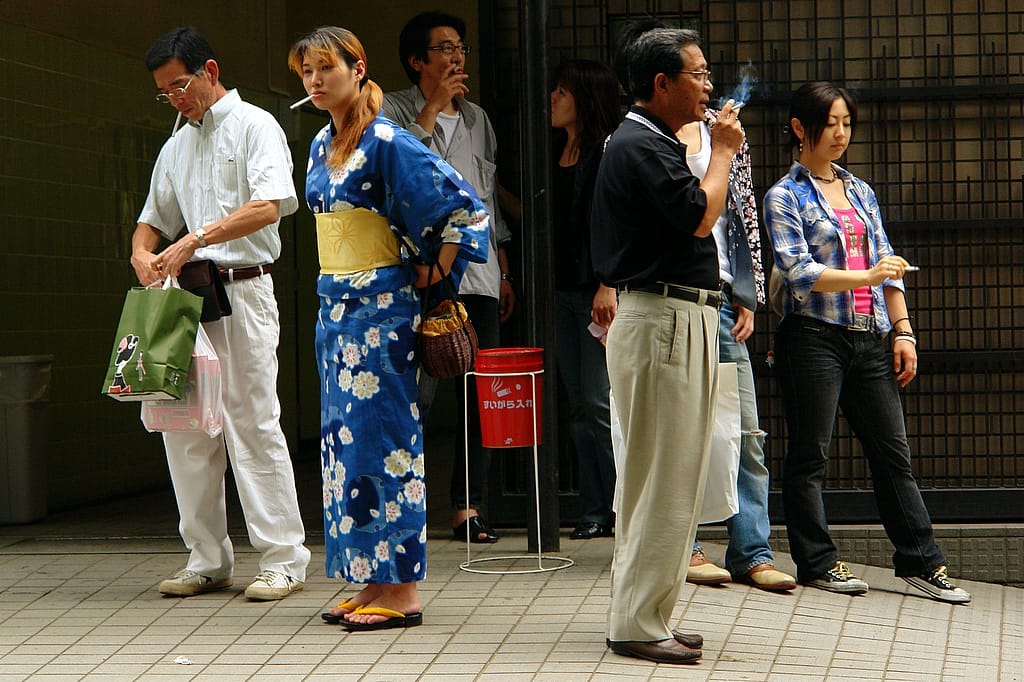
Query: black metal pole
x=538, y=266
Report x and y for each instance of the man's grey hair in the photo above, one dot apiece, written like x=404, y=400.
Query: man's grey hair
x=657, y=51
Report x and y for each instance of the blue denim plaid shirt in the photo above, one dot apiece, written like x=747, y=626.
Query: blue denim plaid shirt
x=806, y=239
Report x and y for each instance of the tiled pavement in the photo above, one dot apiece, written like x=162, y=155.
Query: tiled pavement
x=78, y=600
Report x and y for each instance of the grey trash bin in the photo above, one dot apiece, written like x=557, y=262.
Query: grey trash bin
x=24, y=436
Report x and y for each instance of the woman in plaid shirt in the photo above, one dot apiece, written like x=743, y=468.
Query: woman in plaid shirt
x=842, y=292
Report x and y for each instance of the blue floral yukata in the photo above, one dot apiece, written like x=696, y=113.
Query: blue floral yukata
x=371, y=434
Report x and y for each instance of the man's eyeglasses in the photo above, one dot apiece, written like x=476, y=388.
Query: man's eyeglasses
x=175, y=93
x=705, y=75
x=448, y=49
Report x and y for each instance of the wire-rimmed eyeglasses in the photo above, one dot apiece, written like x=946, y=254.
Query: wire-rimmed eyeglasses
x=705, y=75
x=449, y=49
x=175, y=93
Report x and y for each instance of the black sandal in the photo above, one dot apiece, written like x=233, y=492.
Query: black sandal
x=477, y=528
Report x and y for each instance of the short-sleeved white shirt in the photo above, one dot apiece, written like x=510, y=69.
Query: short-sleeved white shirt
x=205, y=172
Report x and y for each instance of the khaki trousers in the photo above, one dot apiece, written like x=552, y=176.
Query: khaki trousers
x=663, y=370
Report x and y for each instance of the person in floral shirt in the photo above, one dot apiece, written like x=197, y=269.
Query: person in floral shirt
x=385, y=206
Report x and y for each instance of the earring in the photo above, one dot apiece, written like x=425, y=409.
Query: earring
x=800, y=148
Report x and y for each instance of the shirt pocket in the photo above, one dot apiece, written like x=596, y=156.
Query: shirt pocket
x=483, y=183
x=819, y=230
x=229, y=174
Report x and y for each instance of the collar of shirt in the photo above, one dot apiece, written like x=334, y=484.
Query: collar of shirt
x=645, y=117
x=220, y=110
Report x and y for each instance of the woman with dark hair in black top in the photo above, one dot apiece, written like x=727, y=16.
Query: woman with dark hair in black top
x=584, y=111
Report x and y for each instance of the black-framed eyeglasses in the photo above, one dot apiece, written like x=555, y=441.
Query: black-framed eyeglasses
x=175, y=93
x=448, y=49
x=705, y=75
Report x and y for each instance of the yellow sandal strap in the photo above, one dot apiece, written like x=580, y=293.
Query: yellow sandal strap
x=378, y=611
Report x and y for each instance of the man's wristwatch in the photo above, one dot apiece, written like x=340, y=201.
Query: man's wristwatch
x=505, y=277
x=201, y=237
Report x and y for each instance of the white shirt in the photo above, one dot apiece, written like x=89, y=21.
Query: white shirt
x=698, y=163
x=205, y=172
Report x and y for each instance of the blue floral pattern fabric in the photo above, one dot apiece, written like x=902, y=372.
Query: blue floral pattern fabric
x=374, y=497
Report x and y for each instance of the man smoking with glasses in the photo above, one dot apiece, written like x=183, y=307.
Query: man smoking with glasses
x=433, y=53
x=225, y=180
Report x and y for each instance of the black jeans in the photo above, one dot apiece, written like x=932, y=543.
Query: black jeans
x=821, y=367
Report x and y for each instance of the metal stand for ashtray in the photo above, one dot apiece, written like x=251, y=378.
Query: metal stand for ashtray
x=555, y=563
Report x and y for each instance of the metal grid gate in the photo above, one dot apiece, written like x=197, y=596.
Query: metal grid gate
x=940, y=138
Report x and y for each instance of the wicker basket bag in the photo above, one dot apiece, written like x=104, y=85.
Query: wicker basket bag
x=447, y=344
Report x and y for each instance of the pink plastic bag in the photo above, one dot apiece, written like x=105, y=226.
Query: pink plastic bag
x=200, y=407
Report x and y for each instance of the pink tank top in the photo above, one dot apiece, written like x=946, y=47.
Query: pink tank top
x=856, y=239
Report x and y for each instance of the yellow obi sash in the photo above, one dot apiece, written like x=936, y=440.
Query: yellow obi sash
x=354, y=240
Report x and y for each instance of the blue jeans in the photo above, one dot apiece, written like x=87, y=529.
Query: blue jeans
x=749, y=528
x=581, y=364
x=822, y=367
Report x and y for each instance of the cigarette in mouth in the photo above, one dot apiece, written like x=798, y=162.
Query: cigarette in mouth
x=301, y=102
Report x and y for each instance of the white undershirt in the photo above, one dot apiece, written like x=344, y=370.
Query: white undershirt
x=698, y=163
x=448, y=123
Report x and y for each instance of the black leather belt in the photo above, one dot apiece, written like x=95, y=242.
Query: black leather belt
x=235, y=274
x=691, y=294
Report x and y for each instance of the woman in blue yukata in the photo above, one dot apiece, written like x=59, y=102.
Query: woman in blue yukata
x=372, y=186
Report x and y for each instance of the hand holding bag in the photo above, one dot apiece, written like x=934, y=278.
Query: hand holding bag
x=153, y=344
x=202, y=278
x=201, y=406
x=447, y=340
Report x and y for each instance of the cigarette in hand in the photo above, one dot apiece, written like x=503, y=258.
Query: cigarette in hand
x=911, y=268
x=301, y=102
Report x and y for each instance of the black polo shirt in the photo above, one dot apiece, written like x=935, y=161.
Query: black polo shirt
x=647, y=205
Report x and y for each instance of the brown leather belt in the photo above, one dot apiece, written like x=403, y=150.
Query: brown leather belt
x=691, y=294
x=235, y=274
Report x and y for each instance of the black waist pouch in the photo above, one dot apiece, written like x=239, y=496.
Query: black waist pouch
x=202, y=278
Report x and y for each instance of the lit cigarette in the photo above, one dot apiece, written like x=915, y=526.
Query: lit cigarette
x=301, y=102
x=737, y=107
x=911, y=268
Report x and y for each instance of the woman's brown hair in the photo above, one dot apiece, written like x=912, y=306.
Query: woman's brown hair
x=331, y=43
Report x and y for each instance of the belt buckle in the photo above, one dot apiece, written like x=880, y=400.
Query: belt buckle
x=863, y=322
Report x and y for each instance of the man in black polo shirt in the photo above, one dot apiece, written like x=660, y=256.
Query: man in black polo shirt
x=651, y=238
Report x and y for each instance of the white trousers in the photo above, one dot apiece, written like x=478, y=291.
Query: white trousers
x=662, y=366
x=246, y=342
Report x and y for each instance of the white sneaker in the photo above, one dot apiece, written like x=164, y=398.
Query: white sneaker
x=186, y=583
x=271, y=585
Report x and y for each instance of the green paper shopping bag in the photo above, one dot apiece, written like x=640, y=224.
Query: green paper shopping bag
x=153, y=344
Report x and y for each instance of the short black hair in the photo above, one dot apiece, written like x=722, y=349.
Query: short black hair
x=415, y=38
x=656, y=51
x=185, y=43
x=811, y=105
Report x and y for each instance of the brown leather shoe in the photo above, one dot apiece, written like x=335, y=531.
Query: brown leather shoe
x=663, y=651
x=691, y=641
x=767, y=577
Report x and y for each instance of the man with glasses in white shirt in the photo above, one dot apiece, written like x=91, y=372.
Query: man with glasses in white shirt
x=433, y=52
x=226, y=180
